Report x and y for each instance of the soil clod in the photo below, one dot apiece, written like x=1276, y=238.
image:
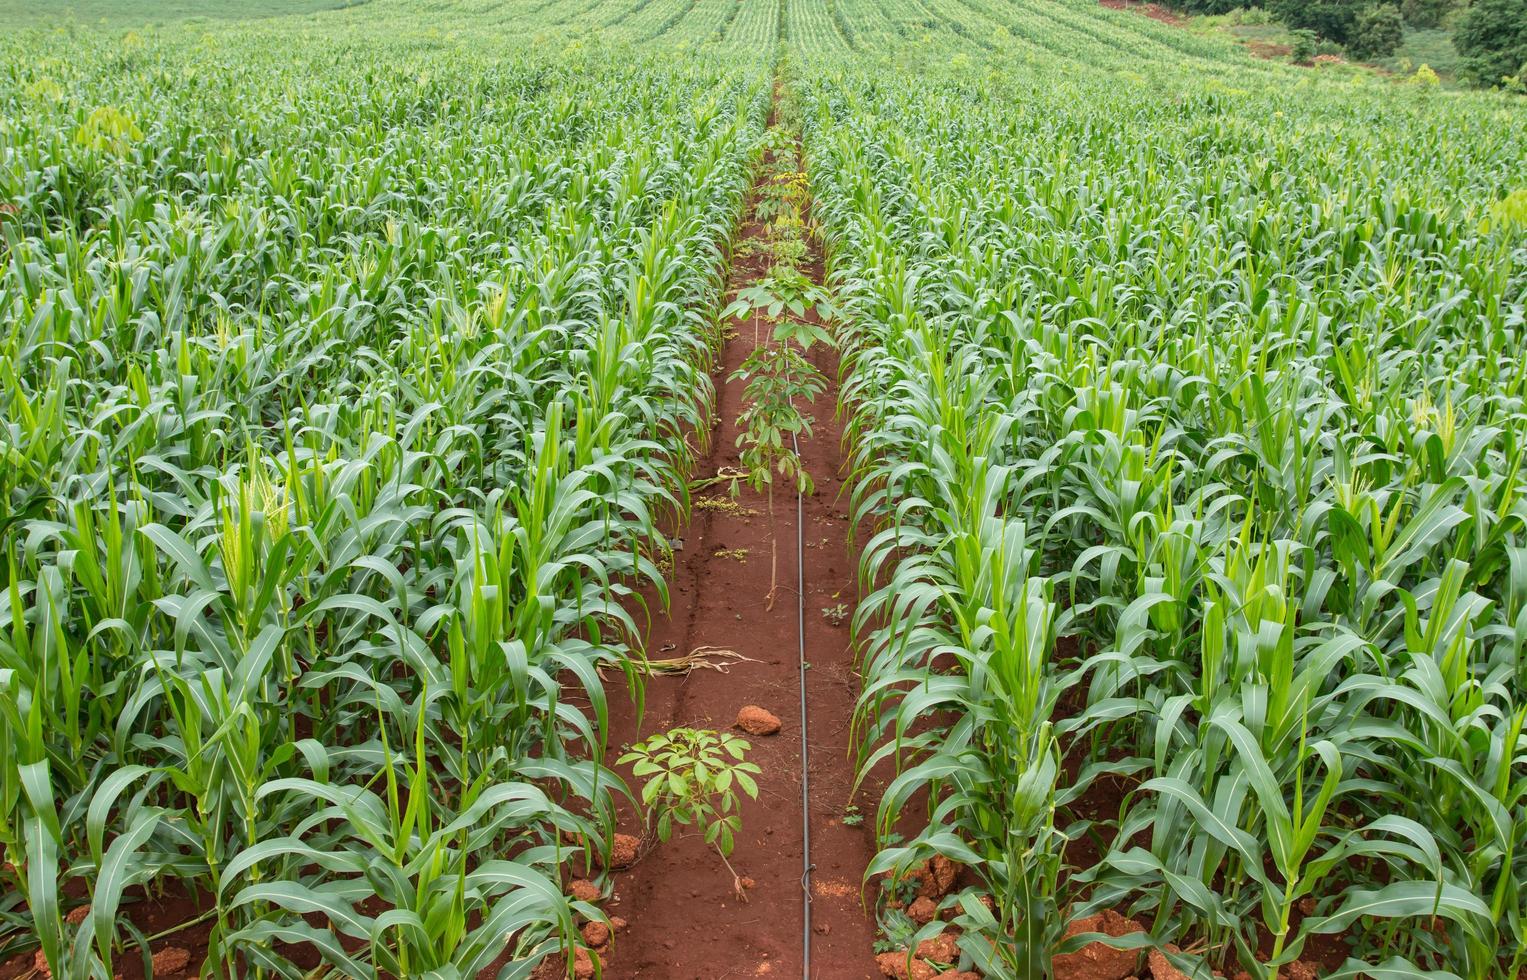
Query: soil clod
x=941, y=948
x=596, y=933
x=756, y=721
x=936, y=877
x=624, y=851
x=170, y=960
x=895, y=965
x=1096, y=960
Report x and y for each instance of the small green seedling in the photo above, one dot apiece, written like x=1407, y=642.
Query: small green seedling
x=692, y=779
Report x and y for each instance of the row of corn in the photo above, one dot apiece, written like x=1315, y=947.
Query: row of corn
x=345, y=378
x=1191, y=420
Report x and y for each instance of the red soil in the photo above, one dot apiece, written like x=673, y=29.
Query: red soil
x=1154, y=11
x=1268, y=50
x=685, y=919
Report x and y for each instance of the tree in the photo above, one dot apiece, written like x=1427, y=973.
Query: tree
x=1304, y=47
x=1425, y=13
x=1331, y=19
x=1493, y=41
x=1214, y=6
x=1377, y=33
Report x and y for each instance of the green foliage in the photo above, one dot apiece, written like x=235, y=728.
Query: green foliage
x=345, y=375
x=1121, y=454
x=109, y=130
x=1304, y=47
x=345, y=384
x=1334, y=20
x=777, y=378
x=1376, y=33
x=1215, y=7
x=115, y=13
x=1425, y=13
x=1509, y=214
x=1248, y=16
x=694, y=777
x=786, y=294
x=1492, y=38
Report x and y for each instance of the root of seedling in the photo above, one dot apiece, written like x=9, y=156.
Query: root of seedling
x=737, y=889
x=719, y=659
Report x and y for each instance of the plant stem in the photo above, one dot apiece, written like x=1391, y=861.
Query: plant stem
x=773, y=553
x=172, y=930
x=736, y=879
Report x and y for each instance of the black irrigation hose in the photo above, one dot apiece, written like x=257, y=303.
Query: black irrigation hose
x=800, y=631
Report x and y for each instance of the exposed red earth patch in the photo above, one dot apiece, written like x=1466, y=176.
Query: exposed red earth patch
x=1154, y=11
x=1268, y=50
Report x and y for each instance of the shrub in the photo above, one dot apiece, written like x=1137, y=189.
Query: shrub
x=1377, y=33
x=1493, y=41
x=1426, y=77
x=1304, y=49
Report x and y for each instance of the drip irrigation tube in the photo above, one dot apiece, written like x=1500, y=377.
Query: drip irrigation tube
x=800, y=631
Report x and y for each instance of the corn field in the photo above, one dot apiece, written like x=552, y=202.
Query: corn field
x=1194, y=427
x=342, y=393
x=354, y=365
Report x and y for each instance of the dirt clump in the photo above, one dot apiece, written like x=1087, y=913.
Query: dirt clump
x=583, y=890
x=170, y=960
x=894, y=965
x=922, y=910
x=1097, y=961
x=583, y=964
x=940, y=949
x=623, y=851
x=756, y=721
x=936, y=876
x=596, y=933
x=1162, y=968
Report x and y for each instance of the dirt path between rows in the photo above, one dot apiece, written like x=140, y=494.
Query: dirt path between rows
x=684, y=921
